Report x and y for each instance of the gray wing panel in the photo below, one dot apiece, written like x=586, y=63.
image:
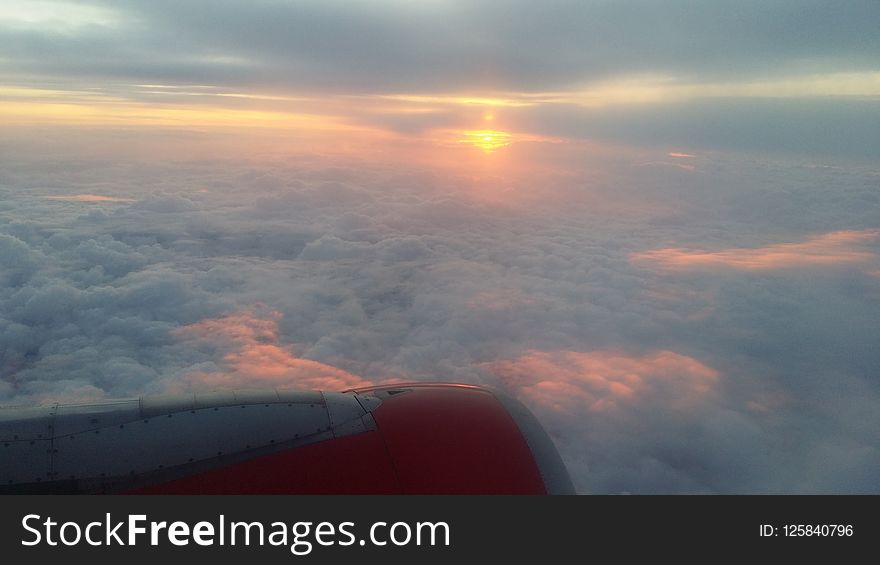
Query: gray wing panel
x=26, y=423
x=76, y=418
x=135, y=436
x=25, y=461
x=161, y=442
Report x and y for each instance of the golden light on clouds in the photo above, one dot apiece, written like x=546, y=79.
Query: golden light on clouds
x=577, y=381
x=500, y=100
x=487, y=140
x=156, y=115
x=654, y=88
x=88, y=198
x=255, y=356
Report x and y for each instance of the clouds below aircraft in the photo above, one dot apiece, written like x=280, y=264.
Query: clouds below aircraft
x=676, y=331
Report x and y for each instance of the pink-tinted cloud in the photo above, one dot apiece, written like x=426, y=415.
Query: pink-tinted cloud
x=840, y=248
x=88, y=198
x=256, y=358
x=678, y=155
x=569, y=382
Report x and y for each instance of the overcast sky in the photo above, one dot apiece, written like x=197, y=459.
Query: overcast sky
x=656, y=223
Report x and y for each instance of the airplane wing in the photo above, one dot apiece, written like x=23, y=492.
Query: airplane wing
x=397, y=439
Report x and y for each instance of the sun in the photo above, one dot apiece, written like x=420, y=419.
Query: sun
x=487, y=140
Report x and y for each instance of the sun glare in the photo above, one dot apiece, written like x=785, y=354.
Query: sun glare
x=487, y=140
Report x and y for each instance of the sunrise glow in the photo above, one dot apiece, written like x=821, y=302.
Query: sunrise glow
x=657, y=224
x=487, y=140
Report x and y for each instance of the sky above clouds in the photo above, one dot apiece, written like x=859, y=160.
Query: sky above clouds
x=656, y=223
x=781, y=76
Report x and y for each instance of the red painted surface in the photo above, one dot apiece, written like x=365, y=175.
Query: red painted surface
x=456, y=440
x=430, y=440
x=349, y=465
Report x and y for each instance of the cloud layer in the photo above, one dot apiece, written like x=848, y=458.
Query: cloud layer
x=577, y=287
x=791, y=76
x=450, y=45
